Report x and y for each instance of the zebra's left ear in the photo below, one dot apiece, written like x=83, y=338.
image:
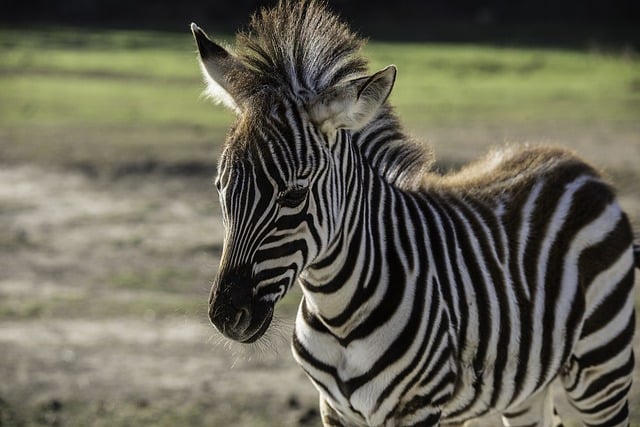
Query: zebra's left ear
x=218, y=66
x=352, y=105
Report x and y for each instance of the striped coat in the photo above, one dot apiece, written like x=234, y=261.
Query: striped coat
x=428, y=298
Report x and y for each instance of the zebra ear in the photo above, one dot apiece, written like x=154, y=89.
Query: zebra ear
x=352, y=105
x=217, y=65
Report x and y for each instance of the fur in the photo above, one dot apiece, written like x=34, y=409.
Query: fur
x=300, y=49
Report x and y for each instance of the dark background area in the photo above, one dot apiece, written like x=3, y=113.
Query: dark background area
x=542, y=22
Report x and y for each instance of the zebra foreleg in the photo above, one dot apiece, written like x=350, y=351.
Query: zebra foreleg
x=536, y=411
x=330, y=417
x=599, y=373
x=599, y=390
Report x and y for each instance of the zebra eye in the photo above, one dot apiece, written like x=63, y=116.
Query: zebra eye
x=292, y=197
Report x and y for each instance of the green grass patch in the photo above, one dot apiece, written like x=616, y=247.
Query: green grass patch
x=104, y=97
x=449, y=84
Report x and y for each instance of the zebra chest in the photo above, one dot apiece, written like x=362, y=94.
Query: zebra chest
x=342, y=375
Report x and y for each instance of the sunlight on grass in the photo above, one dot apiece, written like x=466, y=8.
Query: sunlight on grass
x=477, y=83
x=86, y=83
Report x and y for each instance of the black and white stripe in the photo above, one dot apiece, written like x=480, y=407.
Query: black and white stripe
x=507, y=289
x=427, y=298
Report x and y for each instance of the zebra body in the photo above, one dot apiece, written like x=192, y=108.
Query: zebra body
x=427, y=298
x=473, y=319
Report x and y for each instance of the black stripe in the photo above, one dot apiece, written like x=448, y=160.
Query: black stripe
x=404, y=339
x=499, y=287
x=608, y=308
x=345, y=271
x=609, y=349
x=540, y=219
x=435, y=338
x=452, y=244
x=587, y=204
x=302, y=352
x=482, y=297
x=414, y=368
x=599, y=257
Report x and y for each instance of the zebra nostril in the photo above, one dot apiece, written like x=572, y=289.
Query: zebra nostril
x=242, y=319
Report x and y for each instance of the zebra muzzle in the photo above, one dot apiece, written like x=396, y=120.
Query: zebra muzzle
x=234, y=311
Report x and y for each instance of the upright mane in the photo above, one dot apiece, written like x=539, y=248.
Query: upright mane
x=298, y=46
x=302, y=48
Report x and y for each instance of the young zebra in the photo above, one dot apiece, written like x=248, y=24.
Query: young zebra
x=428, y=299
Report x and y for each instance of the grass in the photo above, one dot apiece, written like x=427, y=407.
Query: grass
x=446, y=84
x=68, y=97
x=104, y=97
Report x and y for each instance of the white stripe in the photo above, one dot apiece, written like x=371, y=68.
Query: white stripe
x=523, y=235
x=540, y=303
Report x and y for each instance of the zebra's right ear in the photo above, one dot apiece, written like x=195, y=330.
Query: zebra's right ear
x=353, y=104
x=217, y=65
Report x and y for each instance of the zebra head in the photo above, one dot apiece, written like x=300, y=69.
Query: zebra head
x=284, y=179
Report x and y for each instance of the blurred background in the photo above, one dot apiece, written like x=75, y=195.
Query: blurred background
x=110, y=228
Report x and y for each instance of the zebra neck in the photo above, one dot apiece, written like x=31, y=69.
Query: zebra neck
x=396, y=157
x=372, y=270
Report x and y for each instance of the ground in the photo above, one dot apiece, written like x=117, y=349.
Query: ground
x=80, y=328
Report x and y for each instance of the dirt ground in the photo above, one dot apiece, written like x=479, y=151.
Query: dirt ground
x=80, y=328
x=103, y=287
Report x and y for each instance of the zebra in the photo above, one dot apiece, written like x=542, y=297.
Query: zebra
x=428, y=298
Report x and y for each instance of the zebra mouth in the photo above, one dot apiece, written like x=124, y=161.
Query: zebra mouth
x=262, y=328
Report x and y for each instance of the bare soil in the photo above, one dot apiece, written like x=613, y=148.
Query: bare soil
x=103, y=287
x=80, y=324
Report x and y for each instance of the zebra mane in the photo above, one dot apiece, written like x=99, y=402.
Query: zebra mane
x=302, y=48
x=298, y=46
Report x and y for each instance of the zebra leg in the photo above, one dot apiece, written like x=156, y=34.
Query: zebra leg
x=330, y=417
x=598, y=375
x=599, y=390
x=536, y=411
